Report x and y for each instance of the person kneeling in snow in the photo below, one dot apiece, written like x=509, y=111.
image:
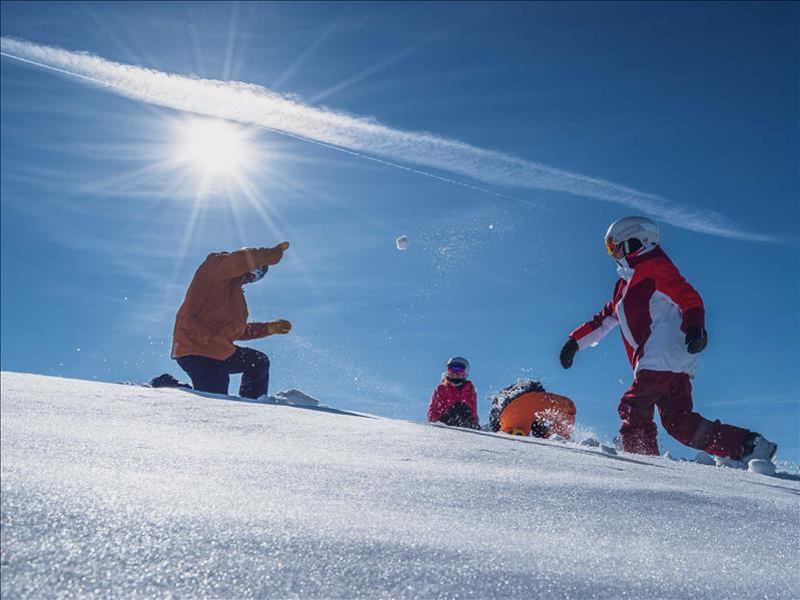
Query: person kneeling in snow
x=454, y=401
x=662, y=320
x=525, y=408
x=214, y=315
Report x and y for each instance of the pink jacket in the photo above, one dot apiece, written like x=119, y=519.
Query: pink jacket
x=446, y=395
x=653, y=310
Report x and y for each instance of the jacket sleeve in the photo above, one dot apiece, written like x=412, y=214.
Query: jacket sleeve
x=669, y=281
x=472, y=402
x=236, y=264
x=591, y=332
x=253, y=331
x=437, y=404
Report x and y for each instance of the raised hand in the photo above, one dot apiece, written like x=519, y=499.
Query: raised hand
x=280, y=327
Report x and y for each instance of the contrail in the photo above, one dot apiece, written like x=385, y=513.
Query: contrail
x=361, y=136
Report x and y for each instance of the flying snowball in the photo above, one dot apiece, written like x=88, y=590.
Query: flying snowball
x=402, y=242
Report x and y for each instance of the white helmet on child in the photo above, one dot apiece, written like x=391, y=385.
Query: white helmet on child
x=458, y=364
x=631, y=228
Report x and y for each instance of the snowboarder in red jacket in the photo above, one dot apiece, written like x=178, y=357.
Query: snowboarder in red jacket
x=454, y=401
x=662, y=319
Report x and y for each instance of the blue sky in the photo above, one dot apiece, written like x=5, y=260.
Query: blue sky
x=541, y=124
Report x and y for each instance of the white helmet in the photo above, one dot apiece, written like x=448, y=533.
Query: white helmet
x=631, y=228
x=458, y=364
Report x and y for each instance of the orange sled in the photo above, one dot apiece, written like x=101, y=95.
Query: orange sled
x=557, y=411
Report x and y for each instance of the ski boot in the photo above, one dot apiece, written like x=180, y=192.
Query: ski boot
x=757, y=447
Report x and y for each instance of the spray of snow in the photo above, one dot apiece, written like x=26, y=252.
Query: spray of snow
x=360, y=136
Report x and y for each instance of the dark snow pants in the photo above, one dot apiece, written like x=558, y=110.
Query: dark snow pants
x=672, y=393
x=211, y=375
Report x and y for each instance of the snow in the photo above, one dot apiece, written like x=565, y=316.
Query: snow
x=401, y=242
x=703, y=458
x=724, y=461
x=121, y=491
x=764, y=467
x=294, y=398
x=607, y=450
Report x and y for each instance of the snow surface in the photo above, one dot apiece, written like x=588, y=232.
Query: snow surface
x=112, y=490
x=294, y=397
x=764, y=467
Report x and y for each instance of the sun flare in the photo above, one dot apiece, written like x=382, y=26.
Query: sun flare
x=219, y=162
x=213, y=148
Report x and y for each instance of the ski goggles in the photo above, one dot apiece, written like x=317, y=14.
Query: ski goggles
x=456, y=368
x=612, y=247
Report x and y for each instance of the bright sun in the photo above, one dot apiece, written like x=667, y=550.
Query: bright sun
x=214, y=148
x=208, y=159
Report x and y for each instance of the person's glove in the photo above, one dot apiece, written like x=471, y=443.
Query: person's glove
x=568, y=353
x=280, y=326
x=279, y=250
x=696, y=339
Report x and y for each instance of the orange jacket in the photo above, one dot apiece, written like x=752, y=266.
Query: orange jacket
x=214, y=311
x=523, y=410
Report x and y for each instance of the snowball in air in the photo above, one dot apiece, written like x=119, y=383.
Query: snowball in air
x=402, y=242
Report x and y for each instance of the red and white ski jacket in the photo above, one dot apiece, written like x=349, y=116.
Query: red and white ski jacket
x=653, y=309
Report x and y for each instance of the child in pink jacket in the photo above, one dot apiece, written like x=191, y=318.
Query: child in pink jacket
x=454, y=402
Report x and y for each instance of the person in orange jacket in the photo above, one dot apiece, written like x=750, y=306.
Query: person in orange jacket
x=525, y=408
x=214, y=315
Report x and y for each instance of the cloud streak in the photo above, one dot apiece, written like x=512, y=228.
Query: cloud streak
x=357, y=135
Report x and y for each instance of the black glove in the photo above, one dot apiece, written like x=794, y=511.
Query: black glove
x=696, y=339
x=568, y=353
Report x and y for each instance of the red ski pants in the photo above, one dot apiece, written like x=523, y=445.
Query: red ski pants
x=672, y=394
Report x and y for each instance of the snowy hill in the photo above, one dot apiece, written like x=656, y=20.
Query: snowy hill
x=112, y=490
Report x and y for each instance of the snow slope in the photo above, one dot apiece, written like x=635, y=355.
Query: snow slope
x=111, y=490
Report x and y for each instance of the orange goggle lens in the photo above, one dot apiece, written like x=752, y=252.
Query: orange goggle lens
x=611, y=247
